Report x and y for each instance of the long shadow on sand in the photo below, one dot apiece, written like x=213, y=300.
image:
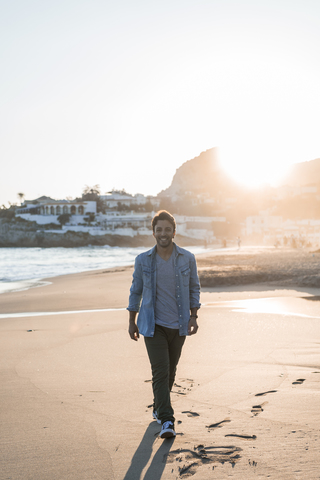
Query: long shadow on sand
x=143, y=454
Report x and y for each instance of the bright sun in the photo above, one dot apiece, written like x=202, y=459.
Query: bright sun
x=251, y=166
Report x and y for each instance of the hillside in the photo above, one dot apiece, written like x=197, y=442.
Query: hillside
x=304, y=173
x=201, y=187
x=202, y=174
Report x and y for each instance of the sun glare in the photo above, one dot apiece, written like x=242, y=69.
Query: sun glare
x=252, y=167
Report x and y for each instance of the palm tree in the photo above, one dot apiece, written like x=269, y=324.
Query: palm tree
x=21, y=196
x=90, y=193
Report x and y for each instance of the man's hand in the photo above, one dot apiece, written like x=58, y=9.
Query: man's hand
x=192, y=326
x=133, y=331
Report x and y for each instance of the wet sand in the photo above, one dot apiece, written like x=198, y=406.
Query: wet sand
x=260, y=265
x=76, y=390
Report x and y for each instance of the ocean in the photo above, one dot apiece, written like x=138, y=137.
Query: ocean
x=22, y=268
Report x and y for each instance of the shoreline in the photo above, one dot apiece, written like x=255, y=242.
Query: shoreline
x=225, y=267
x=21, y=285
x=115, y=260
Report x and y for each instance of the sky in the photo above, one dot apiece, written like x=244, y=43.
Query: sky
x=122, y=93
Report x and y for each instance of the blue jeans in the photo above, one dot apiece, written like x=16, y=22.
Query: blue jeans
x=164, y=350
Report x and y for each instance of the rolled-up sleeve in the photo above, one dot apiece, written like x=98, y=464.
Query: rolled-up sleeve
x=136, y=288
x=194, y=285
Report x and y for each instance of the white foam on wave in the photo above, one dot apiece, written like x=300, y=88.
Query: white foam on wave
x=22, y=268
x=66, y=312
x=7, y=287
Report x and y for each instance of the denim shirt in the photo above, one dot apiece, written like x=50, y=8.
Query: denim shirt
x=144, y=286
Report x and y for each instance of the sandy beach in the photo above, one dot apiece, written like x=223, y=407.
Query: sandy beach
x=76, y=391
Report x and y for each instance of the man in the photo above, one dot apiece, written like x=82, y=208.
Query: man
x=166, y=280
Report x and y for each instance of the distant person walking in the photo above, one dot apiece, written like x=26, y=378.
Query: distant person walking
x=239, y=242
x=165, y=278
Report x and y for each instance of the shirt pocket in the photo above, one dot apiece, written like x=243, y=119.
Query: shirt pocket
x=185, y=274
x=146, y=276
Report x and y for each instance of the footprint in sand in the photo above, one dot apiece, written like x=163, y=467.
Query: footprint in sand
x=191, y=414
x=299, y=381
x=191, y=460
x=246, y=437
x=182, y=390
x=219, y=424
x=256, y=409
x=265, y=393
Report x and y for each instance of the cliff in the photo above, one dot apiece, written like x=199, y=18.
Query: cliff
x=202, y=174
x=304, y=173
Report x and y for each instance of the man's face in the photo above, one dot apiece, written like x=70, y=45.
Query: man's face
x=163, y=233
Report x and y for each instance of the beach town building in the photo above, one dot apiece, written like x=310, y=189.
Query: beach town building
x=116, y=223
x=115, y=198
x=83, y=217
x=288, y=191
x=139, y=223
x=259, y=224
x=198, y=227
x=271, y=229
x=45, y=210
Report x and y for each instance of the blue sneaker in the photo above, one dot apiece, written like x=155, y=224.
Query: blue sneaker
x=167, y=430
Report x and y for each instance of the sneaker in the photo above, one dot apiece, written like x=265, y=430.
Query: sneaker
x=155, y=416
x=167, y=430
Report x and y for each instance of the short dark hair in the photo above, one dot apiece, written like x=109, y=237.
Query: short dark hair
x=163, y=215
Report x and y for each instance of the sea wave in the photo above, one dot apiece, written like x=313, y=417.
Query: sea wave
x=33, y=264
x=18, y=264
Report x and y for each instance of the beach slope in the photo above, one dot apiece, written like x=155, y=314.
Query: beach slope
x=76, y=391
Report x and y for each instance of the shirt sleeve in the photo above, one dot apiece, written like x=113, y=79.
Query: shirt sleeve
x=194, y=286
x=136, y=288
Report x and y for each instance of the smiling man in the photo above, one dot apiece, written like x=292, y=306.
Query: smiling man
x=165, y=291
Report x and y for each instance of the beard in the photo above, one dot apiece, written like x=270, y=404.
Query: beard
x=164, y=242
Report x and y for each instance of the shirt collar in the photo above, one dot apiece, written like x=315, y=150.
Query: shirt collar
x=177, y=250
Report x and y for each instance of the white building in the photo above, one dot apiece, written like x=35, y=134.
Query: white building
x=273, y=228
x=48, y=211
x=197, y=227
x=287, y=191
x=202, y=198
x=309, y=230
x=135, y=220
x=71, y=208
x=261, y=224
x=113, y=199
